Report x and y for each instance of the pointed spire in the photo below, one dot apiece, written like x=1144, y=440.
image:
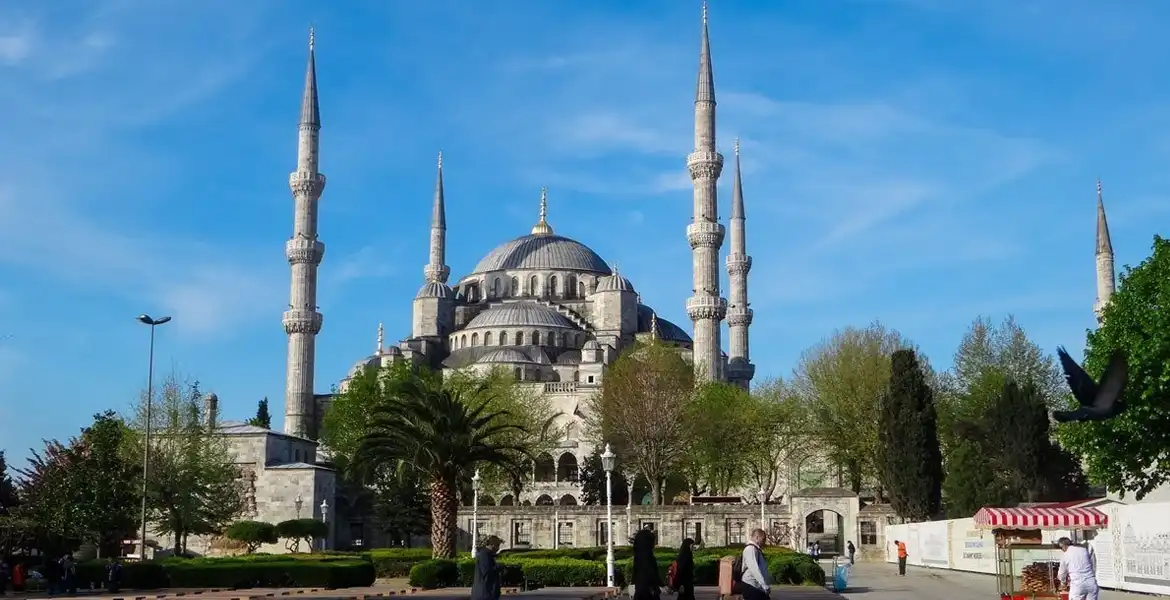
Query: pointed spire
x=542, y=227
x=381, y=339
x=654, y=326
x=737, y=191
x=1104, y=244
x=706, y=88
x=310, y=111
x=439, y=212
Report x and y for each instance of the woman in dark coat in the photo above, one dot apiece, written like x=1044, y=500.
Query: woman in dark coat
x=647, y=583
x=685, y=570
x=485, y=584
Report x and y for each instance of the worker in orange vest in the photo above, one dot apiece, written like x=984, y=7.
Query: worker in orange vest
x=901, y=557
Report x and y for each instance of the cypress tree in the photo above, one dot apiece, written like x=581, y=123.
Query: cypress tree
x=262, y=418
x=1018, y=435
x=911, y=460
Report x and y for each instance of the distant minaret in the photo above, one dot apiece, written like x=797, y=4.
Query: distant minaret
x=437, y=269
x=739, y=263
x=302, y=321
x=1106, y=276
x=705, y=307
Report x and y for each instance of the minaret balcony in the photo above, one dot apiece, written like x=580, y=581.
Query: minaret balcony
x=740, y=316
x=740, y=370
x=303, y=251
x=302, y=321
x=738, y=264
x=304, y=183
x=706, y=308
x=704, y=164
x=438, y=273
x=705, y=234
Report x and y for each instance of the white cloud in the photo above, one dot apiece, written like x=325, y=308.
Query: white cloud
x=15, y=48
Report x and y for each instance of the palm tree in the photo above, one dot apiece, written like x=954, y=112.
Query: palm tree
x=443, y=434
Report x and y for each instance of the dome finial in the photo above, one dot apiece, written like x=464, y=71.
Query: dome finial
x=381, y=339
x=542, y=227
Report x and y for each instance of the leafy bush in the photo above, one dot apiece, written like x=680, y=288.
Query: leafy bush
x=252, y=533
x=272, y=573
x=397, y=562
x=796, y=569
x=435, y=573
x=296, y=531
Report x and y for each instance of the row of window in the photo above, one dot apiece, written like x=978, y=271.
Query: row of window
x=736, y=529
x=555, y=339
x=504, y=287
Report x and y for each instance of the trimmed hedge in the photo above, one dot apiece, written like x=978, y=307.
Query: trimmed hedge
x=253, y=570
x=135, y=575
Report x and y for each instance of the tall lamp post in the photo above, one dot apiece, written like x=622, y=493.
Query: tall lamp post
x=763, y=496
x=298, y=503
x=147, y=320
x=630, y=506
x=607, y=460
x=325, y=520
x=474, y=511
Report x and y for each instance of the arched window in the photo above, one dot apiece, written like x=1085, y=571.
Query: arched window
x=570, y=286
x=552, y=286
x=551, y=338
x=475, y=339
x=533, y=286
x=503, y=338
x=535, y=338
x=516, y=286
x=495, y=289
x=581, y=289
x=519, y=338
x=463, y=341
x=517, y=374
x=487, y=338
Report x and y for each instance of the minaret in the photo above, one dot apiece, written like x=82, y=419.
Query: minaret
x=739, y=263
x=437, y=269
x=302, y=321
x=381, y=340
x=1106, y=276
x=705, y=307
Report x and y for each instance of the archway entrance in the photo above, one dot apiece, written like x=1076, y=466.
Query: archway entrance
x=826, y=529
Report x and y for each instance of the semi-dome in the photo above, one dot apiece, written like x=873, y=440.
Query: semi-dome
x=615, y=283
x=543, y=252
x=520, y=314
x=434, y=289
x=505, y=355
x=667, y=331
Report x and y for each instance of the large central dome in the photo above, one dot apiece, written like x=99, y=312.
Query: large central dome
x=543, y=252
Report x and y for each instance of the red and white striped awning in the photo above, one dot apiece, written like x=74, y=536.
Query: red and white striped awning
x=1038, y=517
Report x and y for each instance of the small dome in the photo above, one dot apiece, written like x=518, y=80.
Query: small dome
x=667, y=331
x=505, y=355
x=591, y=345
x=434, y=289
x=615, y=283
x=392, y=351
x=520, y=314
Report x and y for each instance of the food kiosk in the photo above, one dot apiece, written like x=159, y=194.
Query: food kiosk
x=1025, y=567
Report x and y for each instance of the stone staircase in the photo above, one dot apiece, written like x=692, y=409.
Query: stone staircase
x=569, y=314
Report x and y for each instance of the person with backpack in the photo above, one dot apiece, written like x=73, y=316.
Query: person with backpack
x=852, y=551
x=680, y=577
x=749, y=573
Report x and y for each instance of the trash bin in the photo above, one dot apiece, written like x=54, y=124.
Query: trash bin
x=841, y=577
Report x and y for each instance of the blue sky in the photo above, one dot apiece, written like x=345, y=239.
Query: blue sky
x=915, y=161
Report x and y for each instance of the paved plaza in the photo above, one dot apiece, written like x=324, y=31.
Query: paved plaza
x=870, y=581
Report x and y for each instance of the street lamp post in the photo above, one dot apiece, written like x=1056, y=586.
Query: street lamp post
x=298, y=503
x=629, y=506
x=147, y=320
x=607, y=460
x=763, y=496
x=325, y=520
x=474, y=511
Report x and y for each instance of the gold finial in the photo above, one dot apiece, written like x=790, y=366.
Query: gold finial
x=440, y=159
x=312, y=38
x=381, y=338
x=704, y=12
x=542, y=227
x=737, y=146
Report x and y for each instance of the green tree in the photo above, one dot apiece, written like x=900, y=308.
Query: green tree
x=8, y=498
x=49, y=518
x=444, y=435
x=1128, y=453
x=778, y=425
x=970, y=483
x=262, y=418
x=295, y=531
x=720, y=414
x=593, y=482
x=253, y=534
x=642, y=412
x=194, y=486
x=842, y=380
x=1018, y=432
x=402, y=505
x=108, y=481
x=910, y=458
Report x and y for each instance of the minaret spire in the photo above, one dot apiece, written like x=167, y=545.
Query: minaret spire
x=740, y=370
x=542, y=227
x=437, y=269
x=706, y=307
x=381, y=339
x=302, y=321
x=1106, y=275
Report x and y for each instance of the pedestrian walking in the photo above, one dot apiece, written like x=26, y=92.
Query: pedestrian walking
x=485, y=584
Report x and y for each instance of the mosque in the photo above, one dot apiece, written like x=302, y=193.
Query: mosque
x=544, y=306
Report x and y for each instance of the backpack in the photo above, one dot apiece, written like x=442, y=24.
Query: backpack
x=737, y=569
x=672, y=576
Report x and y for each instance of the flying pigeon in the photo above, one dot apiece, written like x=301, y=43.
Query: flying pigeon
x=1098, y=402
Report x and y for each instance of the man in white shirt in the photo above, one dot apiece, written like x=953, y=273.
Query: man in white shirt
x=1078, y=570
x=757, y=582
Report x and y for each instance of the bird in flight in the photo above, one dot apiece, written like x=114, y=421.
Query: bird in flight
x=1098, y=402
